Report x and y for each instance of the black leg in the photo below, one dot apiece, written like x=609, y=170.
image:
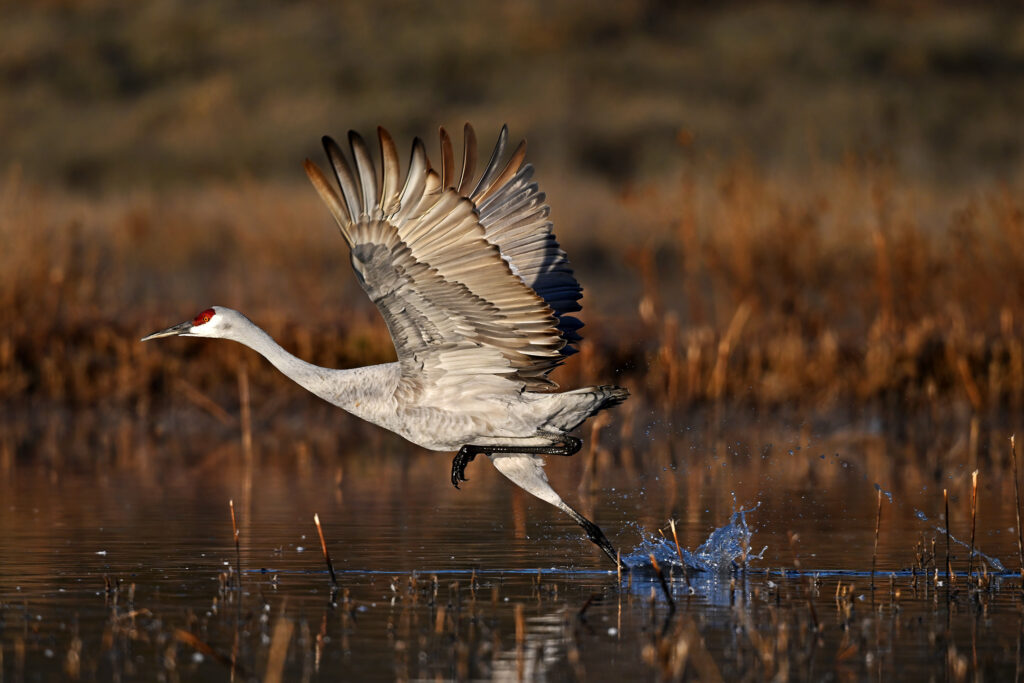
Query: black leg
x=570, y=446
x=595, y=534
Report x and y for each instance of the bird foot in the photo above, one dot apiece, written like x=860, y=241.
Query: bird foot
x=459, y=462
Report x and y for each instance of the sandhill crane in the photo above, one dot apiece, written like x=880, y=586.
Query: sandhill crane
x=476, y=294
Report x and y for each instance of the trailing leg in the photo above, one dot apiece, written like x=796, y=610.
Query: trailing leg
x=527, y=472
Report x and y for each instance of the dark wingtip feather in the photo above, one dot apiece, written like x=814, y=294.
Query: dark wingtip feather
x=354, y=138
x=447, y=160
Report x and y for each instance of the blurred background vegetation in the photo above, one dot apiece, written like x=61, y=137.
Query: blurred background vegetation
x=106, y=94
x=792, y=206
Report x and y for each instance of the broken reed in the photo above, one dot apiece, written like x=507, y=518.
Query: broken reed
x=208, y=650
x=323, y=547
x=878, y=524
x=1016, y=497
x=238, y=548
x=664, y=584
x=679, y=552
x=949, y=562
x=974, y=517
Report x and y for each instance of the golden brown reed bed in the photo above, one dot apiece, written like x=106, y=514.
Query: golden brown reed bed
x=855, y=289
x=853, y=292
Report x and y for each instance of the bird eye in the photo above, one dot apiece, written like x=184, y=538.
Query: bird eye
x=203, y=317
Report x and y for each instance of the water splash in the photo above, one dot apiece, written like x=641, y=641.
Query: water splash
x=726, y=548
x=992, y=561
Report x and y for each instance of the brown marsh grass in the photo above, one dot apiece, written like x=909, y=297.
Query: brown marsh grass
x=852, y=294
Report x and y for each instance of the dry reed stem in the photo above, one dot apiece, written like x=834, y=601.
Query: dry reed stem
x=246, y=409
x=323, y=547
x=883, y=270
x=235, y=644
x=520, y=642
x=581, y=613
x=949, y=564
x=703, y=662
x=279, y=642
x=716, y=387
x=1016, y=495
x=204, y=402
x=974, y=516
x=439, y=619
x=189, y=639
x=679, y=552
x=663, y=582
x=878, y=524
x=238, y=548
x=973, y=442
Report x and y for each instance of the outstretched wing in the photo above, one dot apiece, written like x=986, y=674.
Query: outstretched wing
x=462, y=322
x=514, y=216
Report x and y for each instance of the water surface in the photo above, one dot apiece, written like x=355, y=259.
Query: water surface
x=132, y=573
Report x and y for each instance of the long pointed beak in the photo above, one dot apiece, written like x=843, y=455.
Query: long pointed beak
x=180, y=328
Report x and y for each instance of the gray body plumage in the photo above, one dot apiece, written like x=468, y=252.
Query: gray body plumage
x=371, y=393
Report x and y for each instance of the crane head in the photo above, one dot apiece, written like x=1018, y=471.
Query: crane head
x=209, y=323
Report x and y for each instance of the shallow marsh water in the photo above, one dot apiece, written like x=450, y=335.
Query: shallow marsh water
x=130, y=574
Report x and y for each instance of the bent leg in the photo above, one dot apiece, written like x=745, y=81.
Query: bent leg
x=570, y=446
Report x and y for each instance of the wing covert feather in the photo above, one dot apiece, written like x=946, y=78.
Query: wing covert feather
x=464, y=323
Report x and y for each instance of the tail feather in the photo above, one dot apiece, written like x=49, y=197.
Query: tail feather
x=612, y=395
x=585, y=403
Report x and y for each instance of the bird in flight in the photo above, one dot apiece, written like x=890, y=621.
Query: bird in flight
x=477, y=296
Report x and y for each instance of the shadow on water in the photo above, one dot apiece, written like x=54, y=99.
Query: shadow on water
x=807, y=555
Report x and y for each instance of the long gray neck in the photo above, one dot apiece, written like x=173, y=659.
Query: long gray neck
x=360, y=391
